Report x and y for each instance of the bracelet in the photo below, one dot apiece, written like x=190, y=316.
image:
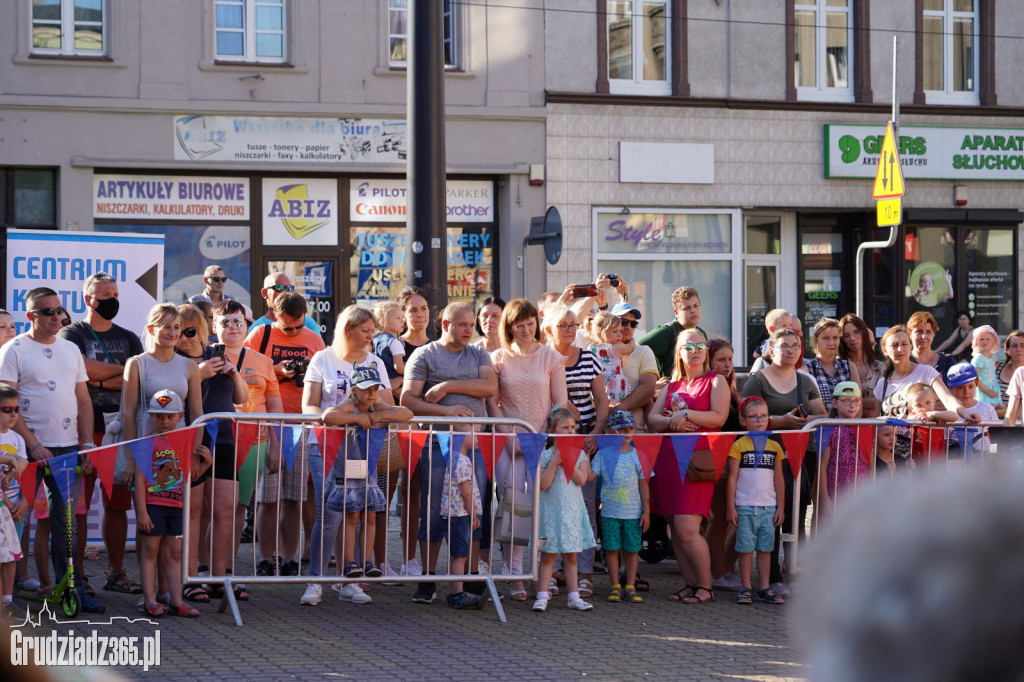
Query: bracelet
x=88, y=446
x=33, y=448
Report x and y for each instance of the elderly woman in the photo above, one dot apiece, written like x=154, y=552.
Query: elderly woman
x=531, y=381
x=922, y=328
x=696, y=399
x=826, y=367
x=857, y=345
x=488, y=323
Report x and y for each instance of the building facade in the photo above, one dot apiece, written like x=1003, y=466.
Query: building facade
x=732, y=146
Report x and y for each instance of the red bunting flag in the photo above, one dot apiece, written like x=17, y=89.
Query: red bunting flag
x=569, y=449
x=795, y=443
x=491, y=445
x=866, y=440
x=28, y=485
x=104, y=460
x=720, y=444
x=329, y=440
x=183, y=442
x=411, y=444
x=247, y=434
x=929, y=443
x=647, y=447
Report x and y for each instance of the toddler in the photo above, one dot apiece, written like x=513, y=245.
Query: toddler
x=564, y=527
x=461, y=504
x=390, y=322
x=13, y=513
x=158, y=509
x=753, y=489
x=625, y=507
x=963, y=383
x=927, y=442
x=607, y=329
x=777, y=318
x=984, y=347
x=841, y=463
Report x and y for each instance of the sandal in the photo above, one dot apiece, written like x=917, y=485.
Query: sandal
x=586, y=588
x=615, y=594
x=768, y=596
x=84, y=580
x=692, y=598
x=631, y=597
x=372, y=570
x=518, y=594
x=559, y=577
x=744, y=596
x=640, y=584
x=184, y=611
x=553, y=586
x=682, y=594
x=156, y=609
x=196, y=593
x=241, y=594
x=353, y=570
x=119, y=582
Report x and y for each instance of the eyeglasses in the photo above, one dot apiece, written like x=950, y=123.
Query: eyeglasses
x=691, y=347
x=787, y=349
x=48, y=312
x=282, y=287
x=9, y=409
x=295, y=328
x=189, y=332
x=217, y=279
x=231, y=324
x=570, y=327
x=758, y=418
x=851, y=399
x=633, y=324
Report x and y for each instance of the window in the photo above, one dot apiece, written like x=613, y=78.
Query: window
x=398, y=33
x=950, y=44
x=822, y=50
x=638, y=47
x=251, y=30
x=28, y=197
x=69, y=27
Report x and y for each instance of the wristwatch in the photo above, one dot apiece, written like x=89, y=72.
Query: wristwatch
x=686, y=414
x=88, y=446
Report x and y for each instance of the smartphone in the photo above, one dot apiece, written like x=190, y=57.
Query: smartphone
x=584, y=290
x=800, y=412
x=218, y=350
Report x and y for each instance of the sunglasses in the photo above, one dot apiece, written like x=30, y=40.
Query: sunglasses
x=630, y=323
x=699, y=347
x=48, y=312
x=282, y=287
x=231, y=324
x=217, y=279
x=189, y=332
x=9, y=409
x=291, y=329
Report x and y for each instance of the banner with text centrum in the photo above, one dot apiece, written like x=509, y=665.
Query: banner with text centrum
x=63, y=261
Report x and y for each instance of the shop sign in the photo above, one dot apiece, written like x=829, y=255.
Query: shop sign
x=298, y=212
x=170, y=197
x=663, y=233
x=383, y=201
x=265, y=139
x=852, y=151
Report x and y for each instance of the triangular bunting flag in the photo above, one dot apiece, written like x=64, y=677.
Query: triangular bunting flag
x=647, y=448
x=821, y=437
x=63, y=471
x=411, y=444
x=142, y=453
x=491, y=446
x=531, y=444
x=371, y=442
x=184, y=443
x=865, y=435
x=720, y=444
x=247, y=434
x=893, y=421
x=104, y=460
x=759, y=439
x=683, y=446
x=569, y=449
x=929, y=443
x=290, y=437
x=451, y=444
x=609, y=462
x=29, y=483
x=329, y=440
x=795, y=444
x=609, y=441
x=212, y=428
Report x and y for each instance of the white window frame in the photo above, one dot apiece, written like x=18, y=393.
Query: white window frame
x=67, y=32
x=785, y=264
x=821, y=93
x=637, y=85
x=250, y=32
x=452, y=23
x=947, y=95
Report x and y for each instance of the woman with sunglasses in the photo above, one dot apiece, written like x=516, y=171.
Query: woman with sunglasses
x=695, y=400
x=793, y=399
x=222, y=389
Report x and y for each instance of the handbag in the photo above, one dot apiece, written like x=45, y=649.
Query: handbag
x=391, y=460
x=702, y=467
x=514, y=518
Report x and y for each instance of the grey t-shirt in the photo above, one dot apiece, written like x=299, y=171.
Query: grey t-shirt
x=433, y=364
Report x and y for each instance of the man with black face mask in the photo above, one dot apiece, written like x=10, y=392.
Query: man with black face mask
x=106, y=348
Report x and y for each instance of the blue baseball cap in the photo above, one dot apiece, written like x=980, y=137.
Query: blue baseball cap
x=622, y=307
x=960, y=374
x=365, y=377
x=620, y=419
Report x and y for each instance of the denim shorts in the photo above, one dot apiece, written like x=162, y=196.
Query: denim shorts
x=756, y=529
x=354, y=495
x=460, y=535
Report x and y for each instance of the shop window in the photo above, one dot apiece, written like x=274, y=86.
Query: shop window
x=398, y=33
x=251, y=30
x=28, y=197
x=989, y=267
x=764, y=235
x=950, y=51
x=823, y=43
x=929, y=272
x=69, y=27
x=639, y=47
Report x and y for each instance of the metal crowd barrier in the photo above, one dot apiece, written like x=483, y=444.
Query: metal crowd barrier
x=431, y=434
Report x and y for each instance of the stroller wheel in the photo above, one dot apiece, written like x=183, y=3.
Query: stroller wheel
x=69, y=602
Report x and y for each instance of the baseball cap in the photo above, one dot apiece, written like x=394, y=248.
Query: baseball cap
x=165, y=402
x=960, y=374
x=620, y=419
x=365, y=377
x=622, y=307
x=846, y=389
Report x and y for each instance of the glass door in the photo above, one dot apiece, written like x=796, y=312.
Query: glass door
x=316, y=278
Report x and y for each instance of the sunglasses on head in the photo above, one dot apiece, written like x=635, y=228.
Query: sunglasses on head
x=48, y=312
x=217, y=279
x=9, y=409
x=189, y=332
x=282, y=287
x=630, y=323
x=690, y=347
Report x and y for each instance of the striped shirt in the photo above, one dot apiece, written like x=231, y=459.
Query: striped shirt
x=577, y=381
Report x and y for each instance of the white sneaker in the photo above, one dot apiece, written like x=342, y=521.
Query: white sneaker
x=312, y=595
x=580, y=605
x=389, y=573
x=540, y=605
x=412, y=568
x=31, y=585
x=482, y=567
x=353, y=593
x=729, y=581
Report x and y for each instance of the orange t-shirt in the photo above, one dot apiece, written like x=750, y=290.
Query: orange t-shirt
x=281, y=348
x=258, y=372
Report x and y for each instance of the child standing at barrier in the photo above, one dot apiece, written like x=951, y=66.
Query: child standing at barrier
x=14, y=511
x=349, y=493
x=390, y=321
x=962, y=380
x=754, y=487
x=984, y=345
x=158, y=509
x=927, y=442
x=625, y=507
x=461, y=505
x=885, y=462
x=607, y=328
x=564, y=526
x=842, y=464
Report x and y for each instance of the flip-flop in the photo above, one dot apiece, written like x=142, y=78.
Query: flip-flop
x=183, y=610
x=196, y=593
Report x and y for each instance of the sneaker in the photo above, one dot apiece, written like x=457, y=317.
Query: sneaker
x=412, y=568
x=483, y=567
x=353, y=593
x=540, y=605
x=579, y=605
x=246, y=537
x=267, y=567
x=389, y=573
x=729, y=581
x=465, y=600
x=425, y=593
x=30, y=585
x=89, y=605
x=312, y=595
x=14, y=613
x=290, y=567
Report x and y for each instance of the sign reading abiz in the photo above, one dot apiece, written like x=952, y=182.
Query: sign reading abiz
x=299, y=212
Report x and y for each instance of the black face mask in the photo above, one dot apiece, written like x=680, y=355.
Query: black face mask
x=107, y=308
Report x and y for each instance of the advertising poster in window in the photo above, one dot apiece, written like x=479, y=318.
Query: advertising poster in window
x=990, y=283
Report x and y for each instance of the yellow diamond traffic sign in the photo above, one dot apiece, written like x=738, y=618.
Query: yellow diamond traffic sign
x=889, y=178
x=890, y=211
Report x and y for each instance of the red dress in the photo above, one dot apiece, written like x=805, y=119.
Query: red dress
x=671, y=493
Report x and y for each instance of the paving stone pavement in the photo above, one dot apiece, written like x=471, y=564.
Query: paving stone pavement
x=394, y=639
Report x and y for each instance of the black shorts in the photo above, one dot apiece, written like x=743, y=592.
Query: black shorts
x=223, y=464
x=166, y=520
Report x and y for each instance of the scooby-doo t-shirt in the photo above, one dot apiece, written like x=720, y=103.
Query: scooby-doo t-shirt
x=165, y=490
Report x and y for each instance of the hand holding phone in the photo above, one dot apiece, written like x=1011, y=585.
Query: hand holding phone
x=584, y=290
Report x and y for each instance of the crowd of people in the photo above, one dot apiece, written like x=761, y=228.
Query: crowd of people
x=567, y=365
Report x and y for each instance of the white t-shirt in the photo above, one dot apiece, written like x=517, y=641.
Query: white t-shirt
x=332, y=373
x=46, y=375
x=891, y=393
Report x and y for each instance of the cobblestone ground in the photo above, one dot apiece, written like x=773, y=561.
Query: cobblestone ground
x=396, y=639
